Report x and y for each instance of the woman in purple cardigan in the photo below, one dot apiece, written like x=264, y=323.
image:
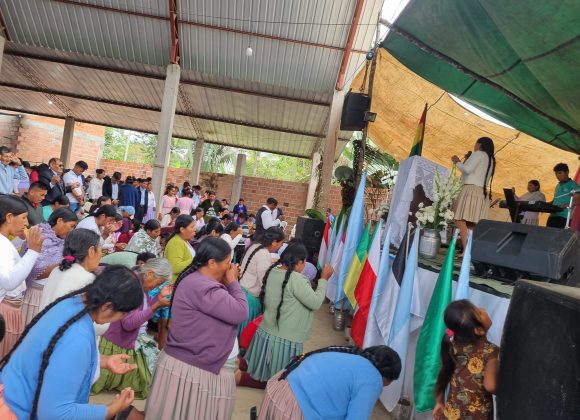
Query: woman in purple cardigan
x=129, y=336
x=61, y=222
x=194, y=378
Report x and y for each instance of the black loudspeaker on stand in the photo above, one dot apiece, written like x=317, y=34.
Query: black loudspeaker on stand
x=539, y=373
x=353, y=111
x=512, y=251
x=310, y=232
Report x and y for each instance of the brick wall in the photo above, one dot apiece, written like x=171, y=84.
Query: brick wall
x=9, y=126
x=37, y=139
x=291, y=195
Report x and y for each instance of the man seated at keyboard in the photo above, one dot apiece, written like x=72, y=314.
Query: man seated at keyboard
x=564, y=190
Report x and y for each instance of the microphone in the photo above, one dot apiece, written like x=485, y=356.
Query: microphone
x=467, y=155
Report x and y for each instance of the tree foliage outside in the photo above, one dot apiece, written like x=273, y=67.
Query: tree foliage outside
x=141, y=148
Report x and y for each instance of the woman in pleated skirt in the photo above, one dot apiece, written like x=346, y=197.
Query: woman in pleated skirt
x=194, y=377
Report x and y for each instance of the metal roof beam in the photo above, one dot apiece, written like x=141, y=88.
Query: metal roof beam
x=206, y=26
x=160, y=77
x=350, y=40
x=122, y=127
x=158, y=109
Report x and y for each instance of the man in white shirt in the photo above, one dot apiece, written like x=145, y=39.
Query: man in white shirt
x=268, y=216
x=196, y=198
x=96, y=185
x=73, y=179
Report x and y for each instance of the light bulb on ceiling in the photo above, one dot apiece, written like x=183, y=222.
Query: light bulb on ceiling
x=249, y=51
x=50, y=102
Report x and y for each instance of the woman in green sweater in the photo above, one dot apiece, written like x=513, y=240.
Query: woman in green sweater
x=178, y=250
x=179, y=253
x=289, y=303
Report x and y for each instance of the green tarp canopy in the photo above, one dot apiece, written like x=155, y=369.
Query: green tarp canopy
x=518, y=61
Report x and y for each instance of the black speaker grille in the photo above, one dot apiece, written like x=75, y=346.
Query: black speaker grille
x=539, y=375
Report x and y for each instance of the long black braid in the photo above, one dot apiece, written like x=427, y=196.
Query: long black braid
x=6, y=358
x=289, y=271
x=123, y=293
x=210, y=249
x=254, y=252
x=48, y=352
x=264, y=281
x=487, y=147
x=383, y=358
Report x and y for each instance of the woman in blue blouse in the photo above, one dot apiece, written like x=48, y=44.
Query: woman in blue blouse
x=49, y=372
x=338, y=382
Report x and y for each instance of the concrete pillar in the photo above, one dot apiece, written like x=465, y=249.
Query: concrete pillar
x=328, y=151
x=168, y=105
x=197, y=160
x=314, y=179
x=2, y=40
x=67, y=142
x=237, y=187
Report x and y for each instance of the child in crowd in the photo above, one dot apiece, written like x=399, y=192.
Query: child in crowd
x=199, y=220
x=185, y=203
x=469, y=364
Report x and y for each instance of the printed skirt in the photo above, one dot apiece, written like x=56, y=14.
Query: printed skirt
x=269, y=354
x=137, y=379
x=254, y=310
x=181, y=391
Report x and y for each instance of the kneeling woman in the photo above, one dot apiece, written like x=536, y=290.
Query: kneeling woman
x=289, y=304
x=129, y=336
x=49, y=372
x=192, y=379
x=312, y=386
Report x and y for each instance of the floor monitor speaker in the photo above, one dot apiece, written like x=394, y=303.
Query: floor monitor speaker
x=514, y=251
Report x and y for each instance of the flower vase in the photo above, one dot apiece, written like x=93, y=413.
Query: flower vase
x=339, y=320
x=429, y=243
x=446, y=235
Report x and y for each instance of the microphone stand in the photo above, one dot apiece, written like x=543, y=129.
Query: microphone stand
x=571, y=208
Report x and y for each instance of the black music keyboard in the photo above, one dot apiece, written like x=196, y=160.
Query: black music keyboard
x=537, y=206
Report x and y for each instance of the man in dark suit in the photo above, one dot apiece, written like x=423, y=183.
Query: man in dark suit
x=142, y=201
x=51, y=176
x=112, y=188
x=130, y=196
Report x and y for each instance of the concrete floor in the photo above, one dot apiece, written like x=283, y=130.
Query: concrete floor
x=322, y=335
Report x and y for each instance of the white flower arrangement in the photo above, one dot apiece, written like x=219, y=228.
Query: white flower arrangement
x=389, y=178
x=439, y=214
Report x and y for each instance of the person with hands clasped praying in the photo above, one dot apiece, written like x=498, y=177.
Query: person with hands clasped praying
x=48, y=374
x=14, y=268
x=206, y=308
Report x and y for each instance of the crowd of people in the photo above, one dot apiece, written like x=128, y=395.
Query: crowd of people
x=180, y=299
x=104, y=287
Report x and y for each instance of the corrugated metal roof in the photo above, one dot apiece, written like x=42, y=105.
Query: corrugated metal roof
x=103, y=61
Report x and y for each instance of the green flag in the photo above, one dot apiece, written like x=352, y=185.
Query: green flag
x=427, y=356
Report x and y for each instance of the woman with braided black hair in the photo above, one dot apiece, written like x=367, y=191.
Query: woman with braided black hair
x=194, y=377
x=289, y=303
x=337, y=382
x=49, y=372
x=257, y=260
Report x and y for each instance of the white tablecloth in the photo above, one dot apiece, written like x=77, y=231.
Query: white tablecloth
x=413, y=171
x=425, y=281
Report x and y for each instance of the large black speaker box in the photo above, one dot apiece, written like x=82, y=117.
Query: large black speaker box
x=310, y=232
x=539, y=372
x=513, y=251
x=353, y=111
